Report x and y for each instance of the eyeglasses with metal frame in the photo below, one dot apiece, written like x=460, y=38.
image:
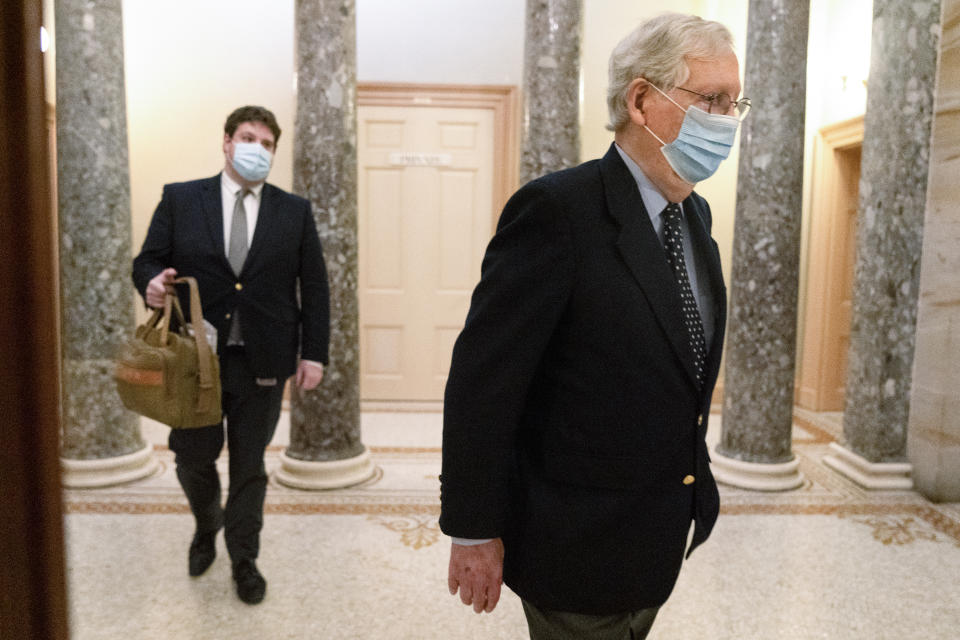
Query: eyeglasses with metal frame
x=722, y=103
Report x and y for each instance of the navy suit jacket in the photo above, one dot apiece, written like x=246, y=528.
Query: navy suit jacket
x=573, y=421
x=285, y=258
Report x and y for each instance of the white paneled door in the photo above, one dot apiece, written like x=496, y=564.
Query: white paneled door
x=425, y=211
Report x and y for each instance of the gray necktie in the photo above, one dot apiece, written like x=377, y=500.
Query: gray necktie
x=236, y=254
x=673, y=244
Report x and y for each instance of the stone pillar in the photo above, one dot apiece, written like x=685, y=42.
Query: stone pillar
x=325, y=449
x=893, y=187
x=933, y=442
x=101, y=442
x=755, y=446
x=551, y=87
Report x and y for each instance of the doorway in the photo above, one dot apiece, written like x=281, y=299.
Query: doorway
x=833, y=234
x=433, y=172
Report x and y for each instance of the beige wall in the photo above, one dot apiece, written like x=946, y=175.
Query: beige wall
x=184, y=75
x=462, y=41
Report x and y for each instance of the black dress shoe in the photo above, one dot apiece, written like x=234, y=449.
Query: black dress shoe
x=203, y=550
x=251, y=587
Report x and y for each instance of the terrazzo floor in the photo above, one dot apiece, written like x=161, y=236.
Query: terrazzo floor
x=825, y=561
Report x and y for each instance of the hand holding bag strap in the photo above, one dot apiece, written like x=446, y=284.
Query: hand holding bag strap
x=204, y=354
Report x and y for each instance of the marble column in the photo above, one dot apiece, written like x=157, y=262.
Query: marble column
x=325, y=449
x=101, y=441
x=755, y=446
x=895, y=162
x=551, y=87
x=933, y=441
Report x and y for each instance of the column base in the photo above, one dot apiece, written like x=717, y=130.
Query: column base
x=875, y=476
x=334, y=474
x=757, y=476
x=104, y=472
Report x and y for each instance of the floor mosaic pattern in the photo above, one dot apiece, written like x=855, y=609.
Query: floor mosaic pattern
x=828, y=560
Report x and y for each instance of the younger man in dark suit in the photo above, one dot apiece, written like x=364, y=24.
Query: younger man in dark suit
x=574, y=457
x=255, y=253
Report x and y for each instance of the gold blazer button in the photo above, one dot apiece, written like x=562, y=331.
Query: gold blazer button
x=700, y=421
x=688, y=480
x=238, y=286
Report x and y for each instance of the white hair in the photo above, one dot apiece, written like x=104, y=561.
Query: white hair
x=657, y=51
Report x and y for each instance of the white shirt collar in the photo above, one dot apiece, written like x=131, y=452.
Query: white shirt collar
x=232, y=187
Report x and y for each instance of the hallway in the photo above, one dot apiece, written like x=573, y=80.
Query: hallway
x=825, y=561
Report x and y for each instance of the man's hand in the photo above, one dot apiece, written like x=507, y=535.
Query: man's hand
x=309, y=375
x=477, y=571
x=159, y=287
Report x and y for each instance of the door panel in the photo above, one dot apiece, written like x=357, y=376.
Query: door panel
x=425, y=205
x=384, y=230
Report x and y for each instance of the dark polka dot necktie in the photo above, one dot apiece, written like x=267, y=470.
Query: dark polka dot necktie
x=673, y=245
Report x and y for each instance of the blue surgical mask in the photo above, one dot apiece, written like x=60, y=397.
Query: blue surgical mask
x=704, y=141
x=251, y=161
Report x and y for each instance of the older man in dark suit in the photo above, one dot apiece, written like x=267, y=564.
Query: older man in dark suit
x=255, y=253
x=574, y=457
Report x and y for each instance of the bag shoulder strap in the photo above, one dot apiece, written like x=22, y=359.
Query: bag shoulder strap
x=205, y=397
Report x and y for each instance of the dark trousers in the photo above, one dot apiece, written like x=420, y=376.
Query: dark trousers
x=561, y=625
x=251, y=412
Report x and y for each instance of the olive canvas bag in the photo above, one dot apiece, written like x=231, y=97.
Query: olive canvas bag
x=171, y=376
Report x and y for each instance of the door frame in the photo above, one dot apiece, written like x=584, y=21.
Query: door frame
x=818, y=374
x=33, y=603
